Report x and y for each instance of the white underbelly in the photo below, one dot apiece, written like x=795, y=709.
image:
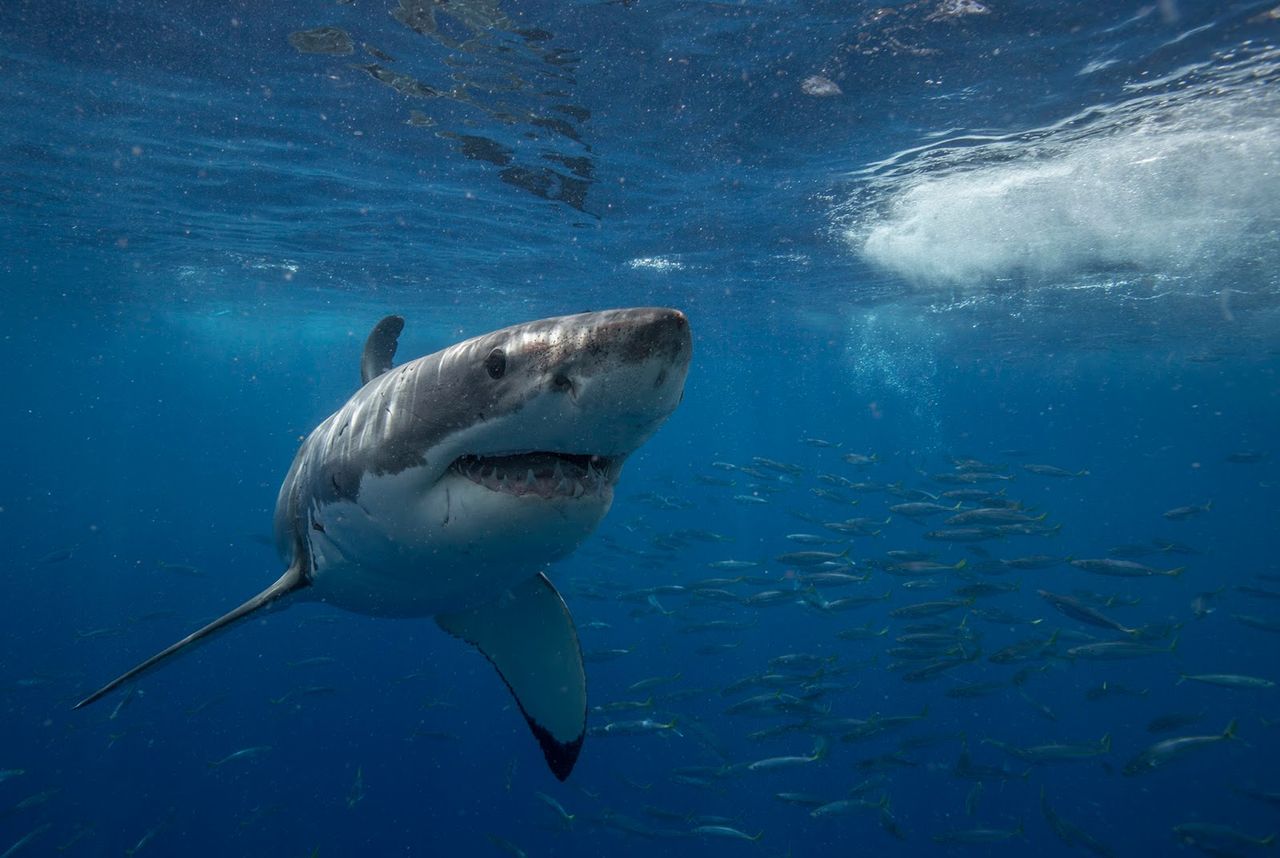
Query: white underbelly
x=456, y=546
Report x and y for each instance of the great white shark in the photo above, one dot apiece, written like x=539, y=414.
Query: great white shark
x=446, y=485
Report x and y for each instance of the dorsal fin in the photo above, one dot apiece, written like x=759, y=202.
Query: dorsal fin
x=380, y=348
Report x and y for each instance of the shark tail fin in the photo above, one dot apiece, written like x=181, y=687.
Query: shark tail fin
x=292, y=580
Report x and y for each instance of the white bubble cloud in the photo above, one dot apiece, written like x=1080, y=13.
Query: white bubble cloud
x=1162, y=185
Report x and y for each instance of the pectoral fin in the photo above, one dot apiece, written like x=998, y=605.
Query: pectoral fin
x=529, y=637
x=293, y=580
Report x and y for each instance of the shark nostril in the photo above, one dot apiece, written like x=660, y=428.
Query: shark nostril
x=662, y=378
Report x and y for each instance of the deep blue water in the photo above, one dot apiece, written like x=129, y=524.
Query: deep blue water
x=1021, y=232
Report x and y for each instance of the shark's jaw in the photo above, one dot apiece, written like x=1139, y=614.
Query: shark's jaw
x=543, y=474
x=410, y=549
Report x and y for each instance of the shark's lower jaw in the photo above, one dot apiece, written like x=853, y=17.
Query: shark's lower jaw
x=541, y=474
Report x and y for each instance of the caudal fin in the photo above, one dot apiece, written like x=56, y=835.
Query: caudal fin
x=289, y=582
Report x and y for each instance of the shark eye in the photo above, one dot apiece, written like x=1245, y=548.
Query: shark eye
x=496, y=363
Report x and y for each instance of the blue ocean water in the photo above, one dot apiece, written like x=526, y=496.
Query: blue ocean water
x=958, y=236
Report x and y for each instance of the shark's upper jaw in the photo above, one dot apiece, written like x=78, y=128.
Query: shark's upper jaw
x=543, y=474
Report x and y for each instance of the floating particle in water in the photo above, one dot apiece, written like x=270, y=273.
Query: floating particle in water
x=958, y=8
x=820, y=87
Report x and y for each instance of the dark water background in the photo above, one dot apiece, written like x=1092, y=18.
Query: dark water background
x=1070, y=259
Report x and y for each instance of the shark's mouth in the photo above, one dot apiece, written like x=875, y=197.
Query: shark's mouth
x=544, y=474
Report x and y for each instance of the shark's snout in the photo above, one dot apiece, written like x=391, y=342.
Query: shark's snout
x=655, y=341
x=658, y=334
x=623, y=372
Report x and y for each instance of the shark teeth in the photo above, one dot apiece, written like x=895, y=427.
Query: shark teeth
x=546, y=475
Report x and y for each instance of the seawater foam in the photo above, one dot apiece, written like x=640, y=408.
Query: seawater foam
x=1187, y=182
